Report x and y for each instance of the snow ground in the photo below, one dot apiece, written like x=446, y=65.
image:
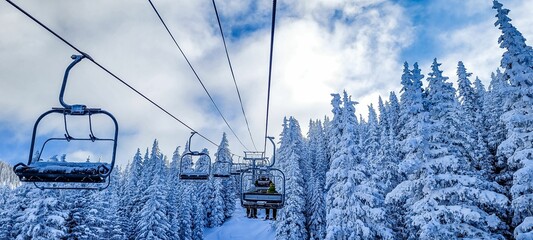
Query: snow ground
x=240, y=227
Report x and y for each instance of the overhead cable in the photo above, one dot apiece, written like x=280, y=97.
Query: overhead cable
x=109, y=72
x=232, y=74
x=195, y=73
x=270, y=68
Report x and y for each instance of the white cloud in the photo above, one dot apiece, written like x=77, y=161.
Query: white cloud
x=476, y=44
x=312, y=59
x=320, y=47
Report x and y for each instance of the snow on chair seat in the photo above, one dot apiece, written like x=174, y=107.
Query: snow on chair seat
x=63, y=172
x=194, y=176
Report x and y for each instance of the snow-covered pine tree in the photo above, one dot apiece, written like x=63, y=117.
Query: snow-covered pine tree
x=333, y=127
x=494, y=108
x=470, y=111
x=366, y=212
x=198, y=216
x=316, y=148
x=482, y=154
x=173, y=194
x=153, y=222
x=131, y=197
x=43, y=219
x=516, y=152
x=228, y=185
x=410, y=142
x=13, y=209
x=291, y=219
x=83, y=221
x=110, y=199
x=372, y=141
x=215, y=203
x=466, y=95
x=185, y=210
x=337, y=176
x=385, y=162
x=444, y=196
x=393, y=113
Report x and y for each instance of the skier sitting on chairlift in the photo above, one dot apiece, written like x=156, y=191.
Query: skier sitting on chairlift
x=271, y=189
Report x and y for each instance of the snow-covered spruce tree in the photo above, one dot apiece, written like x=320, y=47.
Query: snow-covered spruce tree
x=411, y=109
x=44, y=218
x=228, y=189
x=371, y=142
x=337, y=177
x=393, y=114
x=409, y=140
x=385, y=162
x=83, y=221
x=494, y=108
x=466, y=95
x=13, y=209
x=482, y=154
x=316, y=148
x=173, y=193
x=6, y=223
x=131, y=199
x=352, y=209
x=109, y=208
x=367, y=215
x=383, y=116
x=333, y=127
x=185, y=210
x=202, y=190
x=153, y=222
x=215, y=203
x=291, y=219
x=470, y=111
x=444, y=195
x=198, y=216
x=516, y=152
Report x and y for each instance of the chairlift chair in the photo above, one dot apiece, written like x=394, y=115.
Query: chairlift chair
x=69, y=175
x=255, y=193
x=255, y=182
x=221, y=168
x=192, y=172
x=238, y=167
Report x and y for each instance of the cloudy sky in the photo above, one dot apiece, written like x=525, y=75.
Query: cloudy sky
x=321, y=47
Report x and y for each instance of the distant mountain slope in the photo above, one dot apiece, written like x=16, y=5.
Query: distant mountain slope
x=7, y=177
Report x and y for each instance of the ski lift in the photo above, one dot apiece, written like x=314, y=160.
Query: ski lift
x=191, y=170
x=68, y=174
x=238, y=167
x=221, y=169
x=256, y=181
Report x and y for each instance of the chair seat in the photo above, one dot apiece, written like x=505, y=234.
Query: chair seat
x=63, y=172
x=191, y=176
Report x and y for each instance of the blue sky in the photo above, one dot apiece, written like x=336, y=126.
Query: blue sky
x=321, y=47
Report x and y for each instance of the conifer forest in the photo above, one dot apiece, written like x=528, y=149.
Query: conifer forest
x=444, y=157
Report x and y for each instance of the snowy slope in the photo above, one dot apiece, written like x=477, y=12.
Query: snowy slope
x=240, y=227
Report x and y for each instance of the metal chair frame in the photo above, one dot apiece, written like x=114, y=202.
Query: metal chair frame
x=194, y=175
x=59, y=172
